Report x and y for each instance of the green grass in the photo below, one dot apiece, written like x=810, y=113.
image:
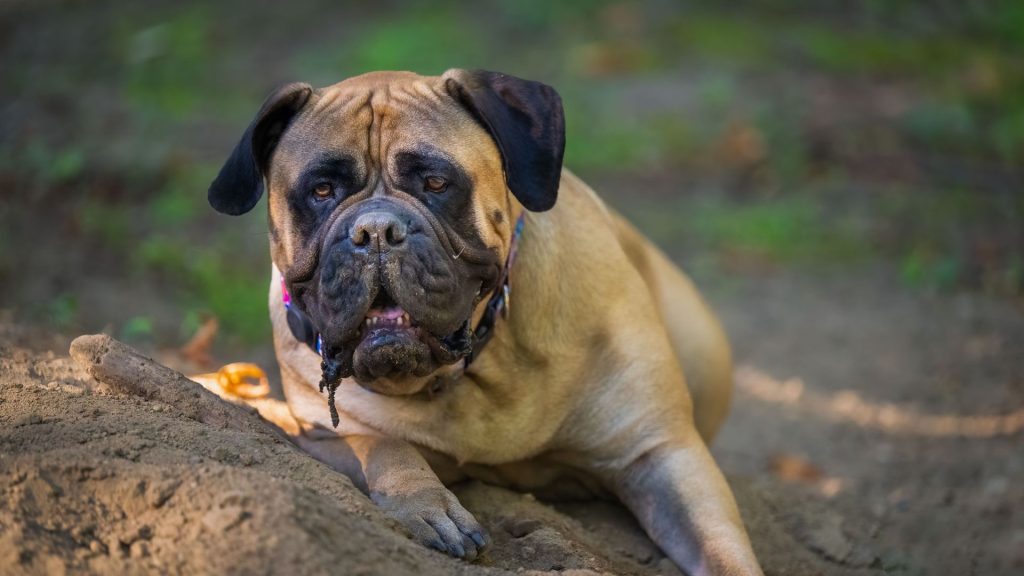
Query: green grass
x=111, y=222
x=167, y=64
x=949, y=238
x=137, y=329
x=421, y=40
x=649, y=142
x=217, y=265
x=62, y=311
x=234, y=293
x=181, y=198
x=790, y=230
x=51, y=164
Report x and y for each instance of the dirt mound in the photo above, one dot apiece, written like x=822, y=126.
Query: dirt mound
x=108, y=483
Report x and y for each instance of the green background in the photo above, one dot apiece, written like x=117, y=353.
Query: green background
x=743, y=137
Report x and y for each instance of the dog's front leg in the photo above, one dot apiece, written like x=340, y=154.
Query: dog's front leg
x=397, y=478
x=683, y=502
x=392, y=472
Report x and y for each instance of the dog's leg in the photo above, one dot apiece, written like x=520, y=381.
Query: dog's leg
x=392, y=472
x=683, y=502
x=398, y=479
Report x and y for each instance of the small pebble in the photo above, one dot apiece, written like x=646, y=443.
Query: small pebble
x=114, y=547
x=520, y=528
x=34, y=419
x=139, y=549
x=224, y=519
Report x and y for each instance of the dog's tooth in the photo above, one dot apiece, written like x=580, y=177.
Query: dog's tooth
x=398, y=321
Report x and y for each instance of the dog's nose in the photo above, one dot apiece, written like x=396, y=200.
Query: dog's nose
x=383, y=228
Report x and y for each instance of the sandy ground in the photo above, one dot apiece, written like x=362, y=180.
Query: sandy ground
x=847, y=448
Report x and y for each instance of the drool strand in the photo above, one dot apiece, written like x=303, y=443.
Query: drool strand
x=330, y=379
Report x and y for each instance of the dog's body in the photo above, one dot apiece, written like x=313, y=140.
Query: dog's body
x=581, y=389
x=514, y=421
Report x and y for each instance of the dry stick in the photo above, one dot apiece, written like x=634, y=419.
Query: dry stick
x=126, y=371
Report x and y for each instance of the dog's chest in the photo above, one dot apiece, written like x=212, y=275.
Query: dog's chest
x=467, y=426
x=549, y=475
x=463, y=422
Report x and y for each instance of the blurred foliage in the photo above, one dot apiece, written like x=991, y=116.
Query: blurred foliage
x=62, y=311
x=793, y=133
x=139, y=328
x=167, y=62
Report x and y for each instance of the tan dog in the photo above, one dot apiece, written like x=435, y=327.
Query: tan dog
x=394, y=201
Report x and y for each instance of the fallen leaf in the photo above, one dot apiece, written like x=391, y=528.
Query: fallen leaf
x=793, y=468
x=197, y=350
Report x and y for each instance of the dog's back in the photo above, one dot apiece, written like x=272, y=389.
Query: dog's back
x=695, y=333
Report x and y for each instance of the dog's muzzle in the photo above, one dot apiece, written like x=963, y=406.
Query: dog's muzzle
x=390, y=299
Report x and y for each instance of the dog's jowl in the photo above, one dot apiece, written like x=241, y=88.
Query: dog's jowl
x=449, y=302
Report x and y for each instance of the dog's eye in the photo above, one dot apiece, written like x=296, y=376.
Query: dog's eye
x=323, y=191
x=435, y=184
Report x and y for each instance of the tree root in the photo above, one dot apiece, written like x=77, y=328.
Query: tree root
x=124, y=370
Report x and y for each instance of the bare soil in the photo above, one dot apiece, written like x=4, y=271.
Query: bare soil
x=98, y=482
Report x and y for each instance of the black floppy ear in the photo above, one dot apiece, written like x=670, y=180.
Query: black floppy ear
x=526, y=121
x=239, y=184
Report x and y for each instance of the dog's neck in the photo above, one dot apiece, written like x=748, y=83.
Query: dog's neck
x=500, y=300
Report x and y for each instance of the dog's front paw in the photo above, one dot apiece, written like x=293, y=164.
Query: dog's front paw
x=435, y=518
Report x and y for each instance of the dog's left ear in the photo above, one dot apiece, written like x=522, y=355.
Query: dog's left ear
x=526, y=121
x=239, y=184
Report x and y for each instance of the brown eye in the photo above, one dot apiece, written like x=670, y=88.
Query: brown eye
x=435, y=184
x=323, y=191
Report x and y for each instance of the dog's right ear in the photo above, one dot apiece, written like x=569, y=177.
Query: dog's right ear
x=239, y=184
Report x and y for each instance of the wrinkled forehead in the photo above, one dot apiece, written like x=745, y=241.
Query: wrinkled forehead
x=373, y=118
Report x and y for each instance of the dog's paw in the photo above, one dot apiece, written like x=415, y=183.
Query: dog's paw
x=437, y=520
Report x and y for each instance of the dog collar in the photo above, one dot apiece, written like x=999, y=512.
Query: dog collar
x=500, y=299
x=300, y=325
x=303, y=329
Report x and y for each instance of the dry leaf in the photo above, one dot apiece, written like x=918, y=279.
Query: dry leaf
x=793, y=468
x=197, y=350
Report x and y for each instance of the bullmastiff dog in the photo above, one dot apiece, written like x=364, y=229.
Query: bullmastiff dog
x=449, y=302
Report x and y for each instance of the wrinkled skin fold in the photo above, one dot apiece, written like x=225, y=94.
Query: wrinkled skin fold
x=421, y=276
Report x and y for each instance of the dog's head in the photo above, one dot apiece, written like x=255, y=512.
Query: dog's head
x=392, y=201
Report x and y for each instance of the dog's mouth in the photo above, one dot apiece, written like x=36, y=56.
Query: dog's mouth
x=391, y=316
x=391, y=353
x=385, y=319
x=390, y=345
